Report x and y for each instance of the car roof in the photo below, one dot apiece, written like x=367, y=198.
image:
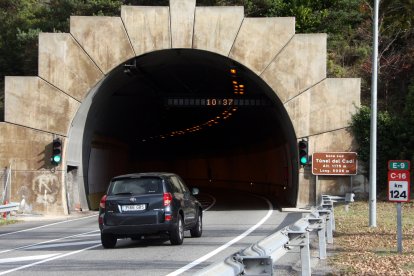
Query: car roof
x=145, y=174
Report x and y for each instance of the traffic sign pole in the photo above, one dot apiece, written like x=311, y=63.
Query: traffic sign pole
x=399, y=228
x=399, y=191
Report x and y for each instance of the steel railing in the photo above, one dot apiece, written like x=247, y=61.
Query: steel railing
x=259, y=258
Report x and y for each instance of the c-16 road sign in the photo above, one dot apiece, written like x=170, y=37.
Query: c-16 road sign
x=399, y=186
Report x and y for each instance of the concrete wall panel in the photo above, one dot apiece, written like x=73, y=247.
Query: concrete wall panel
x=298, y=109
x=215, y=28
x=63, y=63
x=325, y=107
x=21, y=152
x=98, y=36
x=32, y=102
x=340, y=140
x=333, y=103
x=148, y=28
x=260, y=40
x=300, y=65
x=182, y=23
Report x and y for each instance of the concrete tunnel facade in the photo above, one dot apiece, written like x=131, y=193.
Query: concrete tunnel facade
x=81, y=71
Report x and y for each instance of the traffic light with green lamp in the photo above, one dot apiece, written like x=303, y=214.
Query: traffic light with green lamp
x=303, y=152
x=56, y=152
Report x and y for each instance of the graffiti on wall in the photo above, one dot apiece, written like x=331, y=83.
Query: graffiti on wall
x=46, y=188
x=39, y=192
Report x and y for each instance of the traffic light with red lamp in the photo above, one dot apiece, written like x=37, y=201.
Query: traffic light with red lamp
x=56, y=152
x=303, y=152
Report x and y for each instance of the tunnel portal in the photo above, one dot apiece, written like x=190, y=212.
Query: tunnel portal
x=153, y=89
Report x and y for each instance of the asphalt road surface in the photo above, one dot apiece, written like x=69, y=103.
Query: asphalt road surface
x=71, y=245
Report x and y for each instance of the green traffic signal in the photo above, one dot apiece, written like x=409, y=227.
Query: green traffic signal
x=303, y=160
x=56, y=152
x=303, y=152
x=57, y=159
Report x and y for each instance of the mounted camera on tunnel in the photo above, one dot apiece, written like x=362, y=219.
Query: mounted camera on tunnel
x=303, y=152
x=56, y=151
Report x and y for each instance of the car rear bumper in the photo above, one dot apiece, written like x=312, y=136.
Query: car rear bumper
x=137, y=229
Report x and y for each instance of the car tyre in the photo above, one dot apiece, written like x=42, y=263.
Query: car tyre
x=108, y=240
x=197, y=230
x=177, y=234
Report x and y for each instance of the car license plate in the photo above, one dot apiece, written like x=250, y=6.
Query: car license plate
x=129, y=208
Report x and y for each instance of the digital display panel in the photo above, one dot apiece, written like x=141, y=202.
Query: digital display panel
x=217, y=102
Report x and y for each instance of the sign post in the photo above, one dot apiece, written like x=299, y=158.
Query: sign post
x=399, y=191
x=333, y=163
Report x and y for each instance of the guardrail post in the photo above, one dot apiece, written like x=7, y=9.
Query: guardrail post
x=305, y=256
x=301, y=239
x=329, y=230
x=321, y=222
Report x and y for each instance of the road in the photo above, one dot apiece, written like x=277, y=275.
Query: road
x=71, y=245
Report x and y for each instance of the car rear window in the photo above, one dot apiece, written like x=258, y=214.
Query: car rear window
x=133, y=186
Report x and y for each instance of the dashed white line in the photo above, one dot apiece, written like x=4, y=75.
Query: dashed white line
x=49, y=259
x=26, y=258
x=43, y=226
x=86, y=234
x=63, y=244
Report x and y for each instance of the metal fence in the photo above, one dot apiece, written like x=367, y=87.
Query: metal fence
x=5, y=187
x=259, y=258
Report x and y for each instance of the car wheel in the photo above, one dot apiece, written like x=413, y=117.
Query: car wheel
x=197, y=230
x=177, y=235
x=108, y=240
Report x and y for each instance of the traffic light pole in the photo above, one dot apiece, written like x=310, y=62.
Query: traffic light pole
x=373, y=134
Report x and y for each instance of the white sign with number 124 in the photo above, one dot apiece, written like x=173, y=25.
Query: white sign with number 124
x=398, y=191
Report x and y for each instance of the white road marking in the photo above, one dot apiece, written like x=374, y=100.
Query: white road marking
x=43, y=226
x=35, y=244
x=212, y=204
x=63, y=244
x=224, y=246
x=49, y=259
x=27, y=258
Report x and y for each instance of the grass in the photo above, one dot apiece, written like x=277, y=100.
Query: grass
x=363, y=250
x=7, y=221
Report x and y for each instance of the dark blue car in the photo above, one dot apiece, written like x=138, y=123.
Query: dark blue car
x=143, y=204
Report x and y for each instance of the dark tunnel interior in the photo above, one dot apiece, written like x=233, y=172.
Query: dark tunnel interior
x=199, y=114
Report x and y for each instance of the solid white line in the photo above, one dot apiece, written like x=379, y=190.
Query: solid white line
x=224, y=246
x=35, y=244
x=27, y=258
x=48, y=260
x=43, y=226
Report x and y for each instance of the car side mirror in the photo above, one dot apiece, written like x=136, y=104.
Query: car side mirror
x=195, y=191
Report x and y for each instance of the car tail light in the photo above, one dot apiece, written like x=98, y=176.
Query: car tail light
x=167, y=199
x=102, y=202
x=168, y=217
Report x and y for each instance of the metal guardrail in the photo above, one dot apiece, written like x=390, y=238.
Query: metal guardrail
x=13, y=206
x=258, y=259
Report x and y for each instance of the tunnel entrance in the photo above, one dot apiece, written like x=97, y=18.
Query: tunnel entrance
x=191, y=112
